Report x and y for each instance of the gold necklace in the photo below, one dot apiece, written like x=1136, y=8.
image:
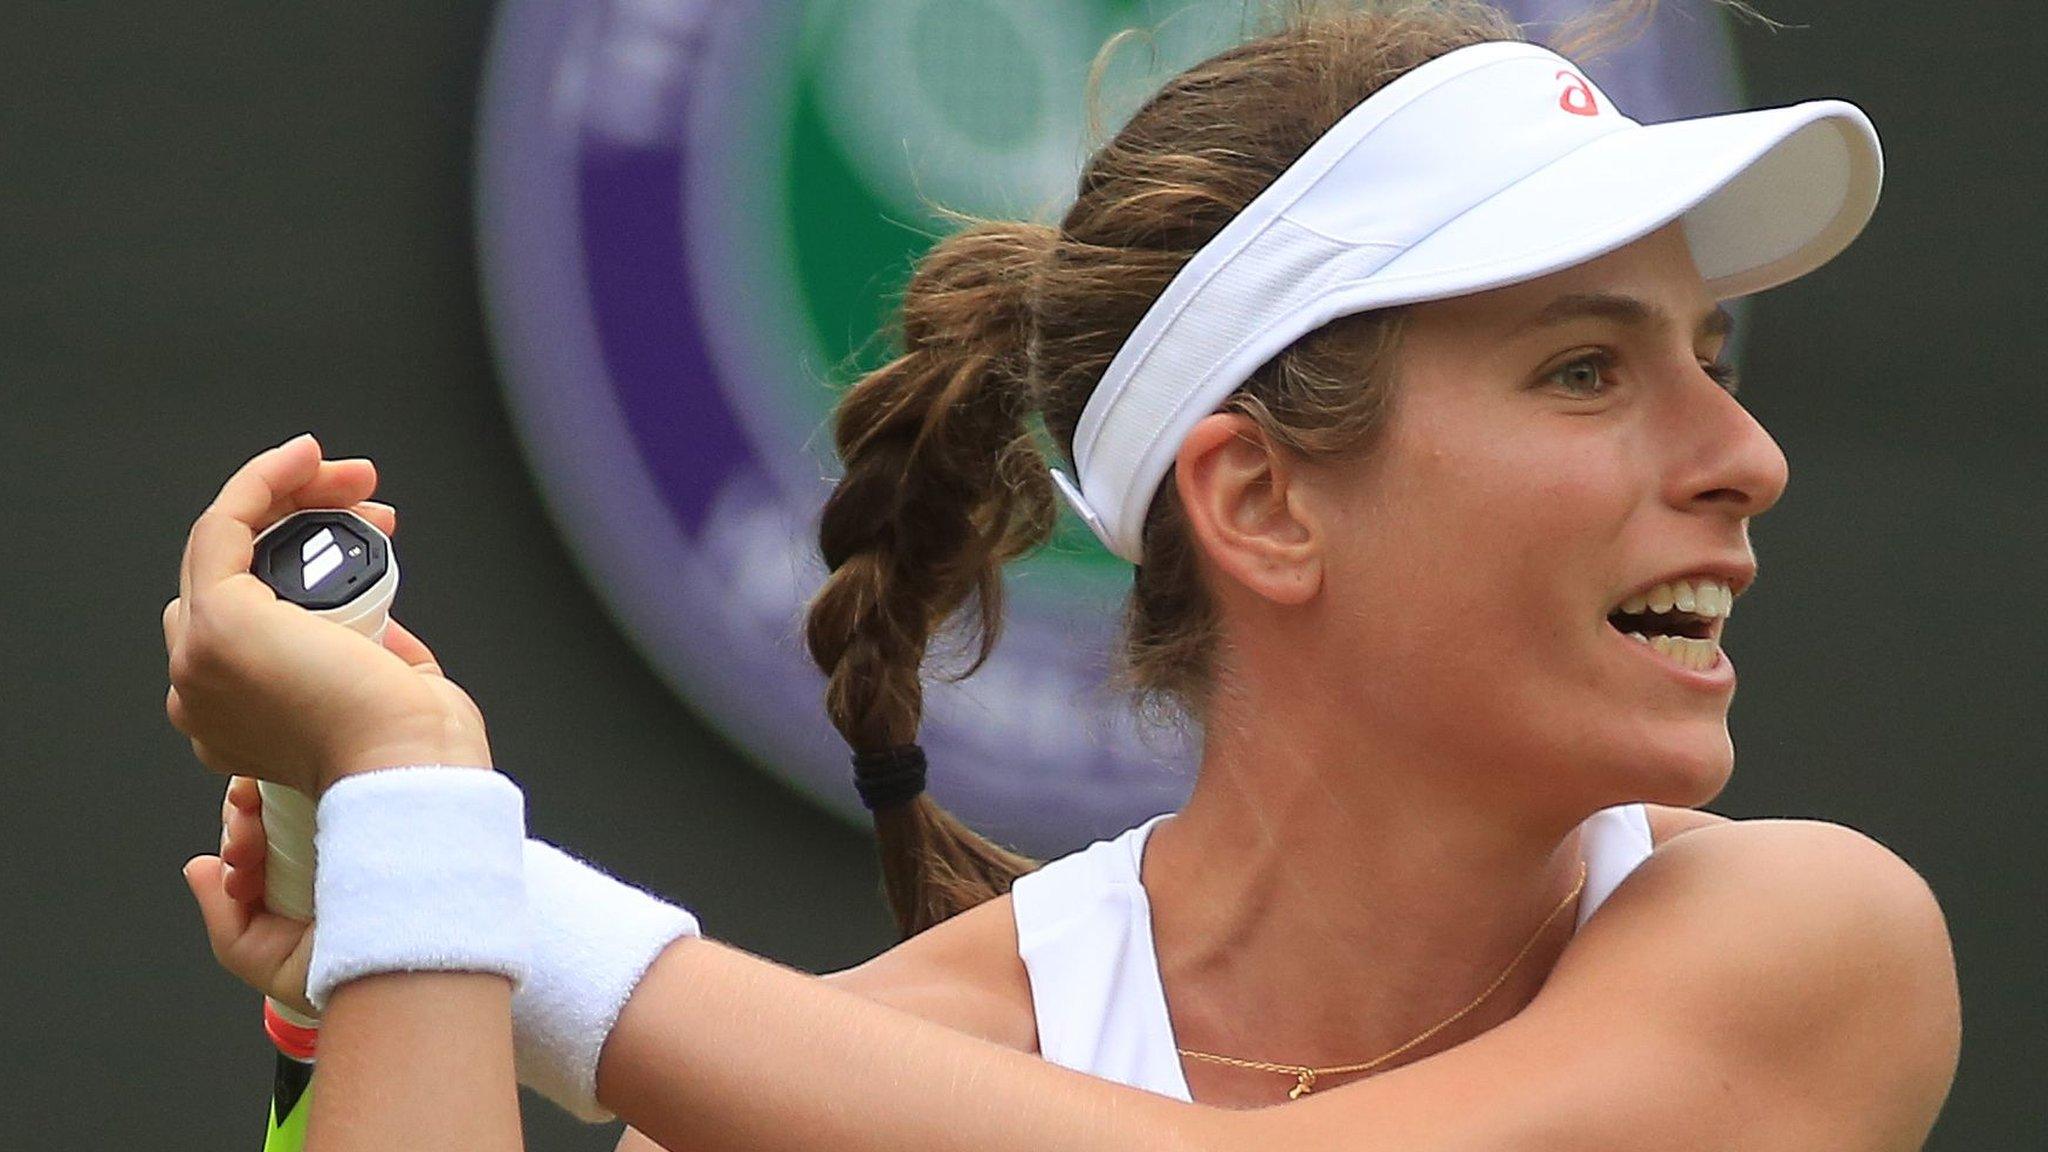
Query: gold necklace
x=1305, y=1076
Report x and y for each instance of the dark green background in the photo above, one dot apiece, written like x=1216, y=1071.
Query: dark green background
x=221, y=225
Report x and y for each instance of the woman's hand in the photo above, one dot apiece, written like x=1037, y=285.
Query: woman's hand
x=263, y=687
x=268, y=952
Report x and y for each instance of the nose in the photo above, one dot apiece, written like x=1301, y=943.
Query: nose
x=1731, y=464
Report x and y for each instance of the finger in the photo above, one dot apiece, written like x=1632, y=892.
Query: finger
x=243, y=883
x=226, y=920
x=265, y=950
x=174, y=708
x=410, y=648
x=291, y=476
x=223, y=542
x=342, y=482
x=285, y=468
x=174, y=624
x=275, y=483
x=383, y=515
x=242, y=842
x=243, y=793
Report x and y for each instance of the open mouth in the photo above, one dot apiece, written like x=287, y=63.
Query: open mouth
x=1680, y=620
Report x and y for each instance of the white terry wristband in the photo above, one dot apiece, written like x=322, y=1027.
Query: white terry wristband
x=593, y=938
x=418, y=869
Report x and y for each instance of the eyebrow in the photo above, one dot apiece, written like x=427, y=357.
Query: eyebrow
x=1623, y=309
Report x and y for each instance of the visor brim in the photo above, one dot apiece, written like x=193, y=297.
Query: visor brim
x=1766, y=196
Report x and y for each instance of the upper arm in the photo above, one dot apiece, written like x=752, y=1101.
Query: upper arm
x=963, y=973
x=1768, y=984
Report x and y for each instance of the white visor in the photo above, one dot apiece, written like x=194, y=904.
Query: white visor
x=1487, y=166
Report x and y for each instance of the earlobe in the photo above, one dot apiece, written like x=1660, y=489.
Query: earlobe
x=1246, y=509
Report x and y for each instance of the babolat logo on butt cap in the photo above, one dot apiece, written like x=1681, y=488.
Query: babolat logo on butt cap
x=320, y=558
x=695, y=217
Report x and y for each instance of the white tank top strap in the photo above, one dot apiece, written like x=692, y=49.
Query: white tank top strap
x=1612, y=841
x=1084, y=932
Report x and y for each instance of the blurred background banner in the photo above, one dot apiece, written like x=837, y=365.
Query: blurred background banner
x=223, y=225
x=693, y=219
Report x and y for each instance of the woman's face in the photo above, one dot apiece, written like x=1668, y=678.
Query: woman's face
x=1556, y=450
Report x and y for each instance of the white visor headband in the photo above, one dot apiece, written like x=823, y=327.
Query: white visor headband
x=1487, y=166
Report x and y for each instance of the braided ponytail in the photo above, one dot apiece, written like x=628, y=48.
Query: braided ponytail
x=943, y=485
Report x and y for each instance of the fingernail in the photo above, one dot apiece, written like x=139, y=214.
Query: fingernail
x=296, y=439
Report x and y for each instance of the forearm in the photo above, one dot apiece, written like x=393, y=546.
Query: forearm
x=718, y=1050
x=421, y=937
x=417, y=1060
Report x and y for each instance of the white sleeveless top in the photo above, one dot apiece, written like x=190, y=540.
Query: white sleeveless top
x=1084, y=931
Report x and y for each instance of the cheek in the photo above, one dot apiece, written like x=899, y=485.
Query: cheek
x=1476, y=569
x=1472, y=576
x=1513, y=533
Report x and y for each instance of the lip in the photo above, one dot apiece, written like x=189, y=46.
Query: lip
x=1720, y=678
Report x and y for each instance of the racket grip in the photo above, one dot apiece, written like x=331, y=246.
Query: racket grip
x=317, y=547
x=288, y=869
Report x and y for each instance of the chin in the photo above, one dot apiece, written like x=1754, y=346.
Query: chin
x=1690, y=766
x=1683, y=764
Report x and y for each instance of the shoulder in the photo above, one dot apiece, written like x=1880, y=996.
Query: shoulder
x=1761, y=984
x=1806, y=891
x=964, y=973
x=1801, y=965
x=1667, y=822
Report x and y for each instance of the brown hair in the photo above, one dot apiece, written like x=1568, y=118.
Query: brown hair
x=945, y=479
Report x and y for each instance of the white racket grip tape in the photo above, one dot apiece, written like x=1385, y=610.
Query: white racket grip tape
x=287, y=812
x=421, y=869
x=593, y=938
x=288, y=866
x=288, y=827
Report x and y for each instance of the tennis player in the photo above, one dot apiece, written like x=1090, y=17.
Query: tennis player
x=1391, y=354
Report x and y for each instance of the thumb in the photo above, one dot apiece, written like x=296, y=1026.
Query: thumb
x=225, y=917
x=268, y=952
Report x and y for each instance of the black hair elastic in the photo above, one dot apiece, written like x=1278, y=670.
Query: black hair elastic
x=889, y=777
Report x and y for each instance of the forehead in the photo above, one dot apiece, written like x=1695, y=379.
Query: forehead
x=1657, y=270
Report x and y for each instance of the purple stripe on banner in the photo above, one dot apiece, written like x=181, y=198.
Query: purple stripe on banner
x=661, y=372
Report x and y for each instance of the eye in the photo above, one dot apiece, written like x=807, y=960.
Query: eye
x=1724, y=375
x=1585, y=376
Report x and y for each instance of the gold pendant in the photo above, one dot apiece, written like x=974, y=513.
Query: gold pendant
x=1306, y=1083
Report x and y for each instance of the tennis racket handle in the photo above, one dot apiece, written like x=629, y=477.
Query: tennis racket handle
x=288, y=852
x=288, y=849
x=339, y=566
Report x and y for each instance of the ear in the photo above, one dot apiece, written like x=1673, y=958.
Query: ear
x=1245, y=507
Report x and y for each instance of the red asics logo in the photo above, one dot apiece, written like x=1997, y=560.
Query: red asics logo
x=1577, y=97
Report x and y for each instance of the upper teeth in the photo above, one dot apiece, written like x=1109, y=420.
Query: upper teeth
x=1699, y=597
